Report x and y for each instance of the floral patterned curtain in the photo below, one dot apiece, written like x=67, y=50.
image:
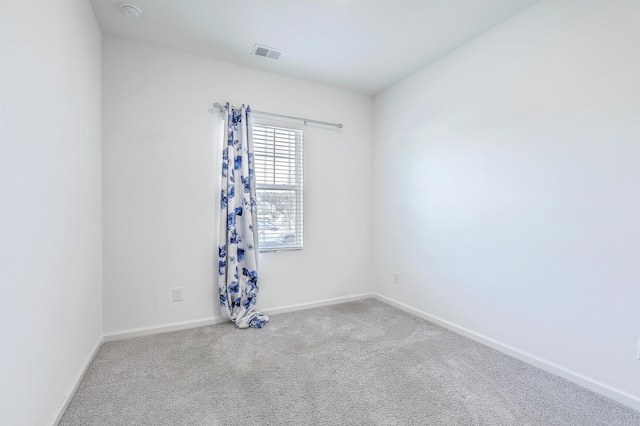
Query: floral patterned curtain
x=238, y=245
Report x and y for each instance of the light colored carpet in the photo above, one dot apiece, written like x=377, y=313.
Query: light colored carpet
x=359, y=363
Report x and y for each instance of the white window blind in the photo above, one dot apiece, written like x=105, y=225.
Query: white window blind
x=278, y=168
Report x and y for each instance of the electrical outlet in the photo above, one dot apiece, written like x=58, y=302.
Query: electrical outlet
x=177, y=294
x=396, y=277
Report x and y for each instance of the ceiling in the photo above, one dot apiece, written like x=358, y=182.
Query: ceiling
x=363, y=45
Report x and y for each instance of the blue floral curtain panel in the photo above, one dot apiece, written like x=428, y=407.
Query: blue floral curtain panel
x=238, y=248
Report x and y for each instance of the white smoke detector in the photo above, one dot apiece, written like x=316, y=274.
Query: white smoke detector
x=266, y=52
x=131, y=10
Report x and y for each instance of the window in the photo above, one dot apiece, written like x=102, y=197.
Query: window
x=278, y=166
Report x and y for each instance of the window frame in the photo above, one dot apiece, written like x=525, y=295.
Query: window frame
x=297, y=189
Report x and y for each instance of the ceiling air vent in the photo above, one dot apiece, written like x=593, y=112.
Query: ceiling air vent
x=266, y=52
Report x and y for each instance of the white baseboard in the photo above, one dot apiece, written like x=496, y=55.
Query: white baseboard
x=164, y=328
x=311, y=305
x=57, y=416
x=184, y=325
x=622, y=397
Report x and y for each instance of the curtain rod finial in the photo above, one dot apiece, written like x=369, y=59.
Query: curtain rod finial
x=216, y=108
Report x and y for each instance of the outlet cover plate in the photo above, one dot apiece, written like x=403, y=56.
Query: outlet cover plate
x=177, y=294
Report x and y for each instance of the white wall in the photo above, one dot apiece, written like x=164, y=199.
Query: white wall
x=50, y=208
x=507, y=182
x=161, y=165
